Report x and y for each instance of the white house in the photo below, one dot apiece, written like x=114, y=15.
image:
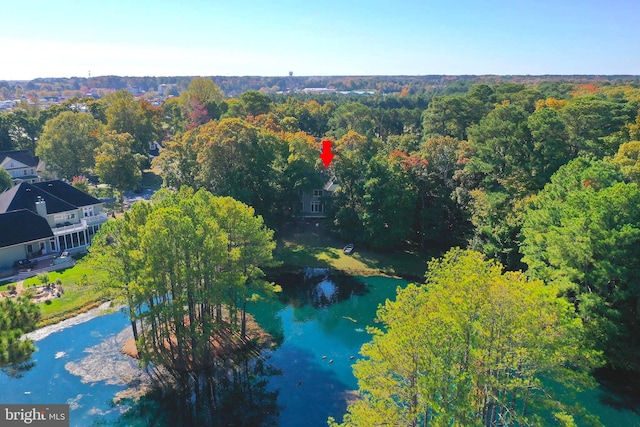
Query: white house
x=44, y=218
x=22, y=166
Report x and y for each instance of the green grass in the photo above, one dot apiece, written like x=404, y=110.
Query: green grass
x=81, y=292
x=310, y=246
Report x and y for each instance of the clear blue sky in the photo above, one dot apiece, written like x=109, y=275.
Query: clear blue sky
x=64, y=38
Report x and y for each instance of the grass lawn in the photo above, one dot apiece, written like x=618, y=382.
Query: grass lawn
x=81, y=292
x=305, y=245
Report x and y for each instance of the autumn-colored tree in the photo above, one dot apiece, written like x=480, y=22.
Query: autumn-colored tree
x=201, y=101
x=628, y=160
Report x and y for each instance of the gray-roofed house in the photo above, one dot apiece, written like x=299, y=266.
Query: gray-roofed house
x=71, y=216
x=23, y=166
x=312, y=202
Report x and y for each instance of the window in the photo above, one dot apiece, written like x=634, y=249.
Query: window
x=317, y=207
x=301, y=207
x=52, y=243
x=317, y=193
x=24, y=172
x=87, y=211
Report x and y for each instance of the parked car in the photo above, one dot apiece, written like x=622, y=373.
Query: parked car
x=348, y=249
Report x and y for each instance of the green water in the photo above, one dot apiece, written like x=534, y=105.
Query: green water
x=319, y=325
x=314, y=331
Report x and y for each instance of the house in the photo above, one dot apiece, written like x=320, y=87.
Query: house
x=22, y=166
x=46, y=218
x=313, y=203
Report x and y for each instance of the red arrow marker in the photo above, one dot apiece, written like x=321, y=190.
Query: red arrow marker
x=326, y=155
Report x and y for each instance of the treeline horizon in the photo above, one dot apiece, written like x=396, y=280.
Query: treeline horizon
x=382, y=84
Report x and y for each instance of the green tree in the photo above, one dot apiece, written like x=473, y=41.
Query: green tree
x=592, y=123
x=387, y=202
x=184, y=260
x=6, y=142
x=352, y=116
x=116, y=163
x=5, y=180
x=470, y=347
x=551, y=148
x=439, y=215
x=17, y=317
x=26, y=127
x=68, y=142
x=347, y=204
x=451, y=116
x=178, y=162
x=255, y=103
x=139, y=119
x=582, y=233
x=302, y=169
x=502, y=145
x=499, y=170
x=237, y=159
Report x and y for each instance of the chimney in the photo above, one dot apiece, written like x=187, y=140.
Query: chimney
x=41, y=207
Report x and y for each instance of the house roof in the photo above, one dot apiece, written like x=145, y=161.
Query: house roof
x=22, y=156
x=58, y=196
x=22, y=226
x=68, y=193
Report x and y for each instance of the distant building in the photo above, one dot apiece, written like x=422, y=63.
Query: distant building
x=23, y=166
x=313, y=203
x=317, y=90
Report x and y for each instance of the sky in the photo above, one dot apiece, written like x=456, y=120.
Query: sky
x=66, y=38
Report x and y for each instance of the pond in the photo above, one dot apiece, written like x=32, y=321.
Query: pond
x=319, y=324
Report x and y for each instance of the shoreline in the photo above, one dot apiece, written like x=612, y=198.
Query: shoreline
x=82, y=317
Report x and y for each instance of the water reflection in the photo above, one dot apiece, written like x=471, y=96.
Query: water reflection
x=317, y=287
x=240, y=398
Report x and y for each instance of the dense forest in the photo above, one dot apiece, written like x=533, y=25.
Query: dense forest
x=538, y=174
